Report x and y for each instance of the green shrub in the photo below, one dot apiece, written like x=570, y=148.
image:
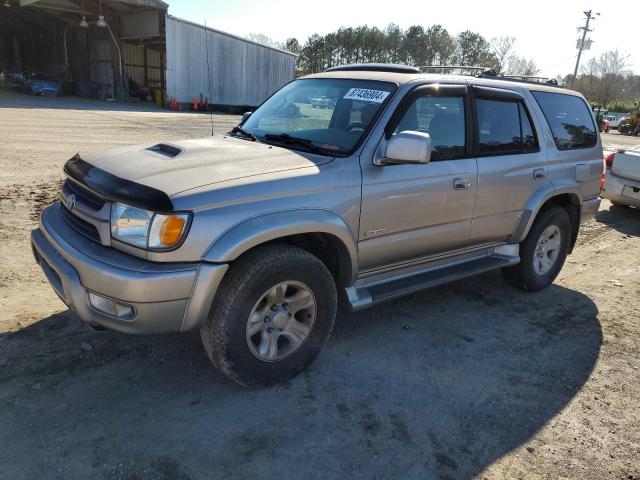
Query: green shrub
x=620, y=106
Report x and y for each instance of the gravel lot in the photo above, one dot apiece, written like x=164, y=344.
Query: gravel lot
x=474, y=379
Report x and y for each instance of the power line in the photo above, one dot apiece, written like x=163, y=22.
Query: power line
x=585, y=30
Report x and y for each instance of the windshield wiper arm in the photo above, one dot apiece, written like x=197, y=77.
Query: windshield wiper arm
x=244, y=133
x=302, y=142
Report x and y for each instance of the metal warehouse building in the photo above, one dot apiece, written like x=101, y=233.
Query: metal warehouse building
x=242, y=72
x=118, y=49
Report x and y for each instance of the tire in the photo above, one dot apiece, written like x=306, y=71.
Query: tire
x=528, y=274
x=244, y=295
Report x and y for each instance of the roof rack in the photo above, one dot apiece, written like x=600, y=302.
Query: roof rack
x=528, y=79
x=458, y=69
x=480, y=72
x=374, y=67
x=484, y=72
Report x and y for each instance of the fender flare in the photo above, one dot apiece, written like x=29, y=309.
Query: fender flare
x=263, y=228
x=545, y=193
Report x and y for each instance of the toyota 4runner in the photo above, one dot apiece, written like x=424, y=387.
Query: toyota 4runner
x=402, y=181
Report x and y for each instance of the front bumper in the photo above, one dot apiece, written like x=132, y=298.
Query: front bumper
x=164, y=297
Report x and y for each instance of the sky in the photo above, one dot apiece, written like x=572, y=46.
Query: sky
x=545, y=30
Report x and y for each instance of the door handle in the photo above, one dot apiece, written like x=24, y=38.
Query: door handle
x=539, y=173
x=462, y=183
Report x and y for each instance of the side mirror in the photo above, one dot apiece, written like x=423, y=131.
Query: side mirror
x=408, y=147
x=245, y=117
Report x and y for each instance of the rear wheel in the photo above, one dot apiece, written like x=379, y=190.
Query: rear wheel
x=271, y=316
x=543, y=252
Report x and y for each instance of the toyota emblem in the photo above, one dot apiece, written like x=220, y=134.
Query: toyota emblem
x=71, y=201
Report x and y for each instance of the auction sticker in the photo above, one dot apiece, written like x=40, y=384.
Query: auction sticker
x=366, y=95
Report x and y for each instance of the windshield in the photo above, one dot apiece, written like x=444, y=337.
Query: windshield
x=330, y=116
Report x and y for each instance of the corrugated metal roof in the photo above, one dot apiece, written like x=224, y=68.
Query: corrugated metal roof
x=70, y=6
x=142, y=3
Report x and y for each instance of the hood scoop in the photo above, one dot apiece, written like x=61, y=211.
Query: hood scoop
x=165, y=149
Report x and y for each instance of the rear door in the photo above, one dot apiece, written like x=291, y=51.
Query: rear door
x=575, y=156
x=410, y=212
x=511, y=164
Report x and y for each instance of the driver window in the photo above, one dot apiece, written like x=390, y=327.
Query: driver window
x=443, y=118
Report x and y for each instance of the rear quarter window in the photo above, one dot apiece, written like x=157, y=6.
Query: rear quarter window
x=569, y=118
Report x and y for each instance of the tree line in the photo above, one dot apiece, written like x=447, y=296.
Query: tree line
x=415, y=45
x=604, y=80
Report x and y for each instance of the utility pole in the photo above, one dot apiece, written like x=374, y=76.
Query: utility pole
x=585, y=30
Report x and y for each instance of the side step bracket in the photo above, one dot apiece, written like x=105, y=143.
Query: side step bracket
x=365, y=296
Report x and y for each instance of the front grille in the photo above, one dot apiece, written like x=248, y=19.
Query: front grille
x=83, y=195
x=79, y=225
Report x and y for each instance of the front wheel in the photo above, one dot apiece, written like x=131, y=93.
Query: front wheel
x=271, y=316
x=543, y=252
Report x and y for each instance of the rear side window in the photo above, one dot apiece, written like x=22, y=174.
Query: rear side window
x=569, y=118
x=504, y=127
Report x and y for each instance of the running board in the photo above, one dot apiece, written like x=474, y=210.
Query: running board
x=360, y=297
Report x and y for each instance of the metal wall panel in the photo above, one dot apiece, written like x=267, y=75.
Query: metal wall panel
x=242, y=72
x=140, y=24
x=134, y=64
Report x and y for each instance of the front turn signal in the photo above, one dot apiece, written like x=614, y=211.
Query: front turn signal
x=167, y=231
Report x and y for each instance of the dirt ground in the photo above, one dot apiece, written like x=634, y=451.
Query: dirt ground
x=472, y=380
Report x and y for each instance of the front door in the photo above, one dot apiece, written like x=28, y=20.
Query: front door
x=410, y=212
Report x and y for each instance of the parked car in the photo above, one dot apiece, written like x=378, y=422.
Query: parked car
x=614, y=120
x=622, y=178
x=38, y=84
x=321, y=102
x=619, y=121
x=415, y=181
x=12, y=79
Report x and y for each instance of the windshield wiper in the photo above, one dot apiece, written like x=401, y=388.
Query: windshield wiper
x=301, y=142
x=244, y=133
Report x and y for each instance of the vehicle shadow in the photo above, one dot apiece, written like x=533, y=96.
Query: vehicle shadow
x=437, y=385
x=621, y=218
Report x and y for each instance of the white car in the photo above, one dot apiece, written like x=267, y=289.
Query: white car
x=622, y=178
x=614, y=121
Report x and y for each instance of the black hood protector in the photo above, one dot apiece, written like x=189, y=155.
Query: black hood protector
x=116, y=189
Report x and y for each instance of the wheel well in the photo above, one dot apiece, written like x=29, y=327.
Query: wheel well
x=571, y=204
x=328, y=248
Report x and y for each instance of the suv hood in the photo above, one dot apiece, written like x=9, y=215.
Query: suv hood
x=173, y=167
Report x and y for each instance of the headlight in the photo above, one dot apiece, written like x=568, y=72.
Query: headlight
x=144, y=229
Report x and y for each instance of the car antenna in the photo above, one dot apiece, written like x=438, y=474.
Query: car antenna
x=206, y=45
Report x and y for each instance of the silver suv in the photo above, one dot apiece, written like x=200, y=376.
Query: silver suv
x=402, y=181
